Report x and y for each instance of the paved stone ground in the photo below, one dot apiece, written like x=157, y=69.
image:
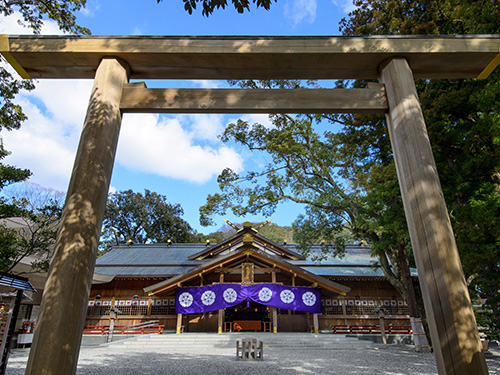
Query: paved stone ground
x=391, y=360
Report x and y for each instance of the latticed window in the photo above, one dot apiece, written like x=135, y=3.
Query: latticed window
x=363, y=307
x=132, y=307
x=98, y=307
x=163, y=307
x=332, y=307
x=360, y=307
x=395, y=307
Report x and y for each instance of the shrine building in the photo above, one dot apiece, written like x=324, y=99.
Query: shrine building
x=245, y=282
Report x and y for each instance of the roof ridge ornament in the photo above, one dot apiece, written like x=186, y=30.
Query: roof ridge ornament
x=231, y=224
x=247, y=238
x=263, y=224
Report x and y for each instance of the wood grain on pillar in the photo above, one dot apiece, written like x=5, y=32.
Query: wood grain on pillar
x=57, y=337
x=449, y=312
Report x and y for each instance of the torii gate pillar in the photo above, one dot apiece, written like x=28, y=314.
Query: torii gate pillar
x=58, y=335
x=447, y=303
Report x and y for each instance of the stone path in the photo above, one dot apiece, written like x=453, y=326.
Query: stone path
x=215, y=354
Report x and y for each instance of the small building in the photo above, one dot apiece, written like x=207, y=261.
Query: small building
x=245, y=282
x=29, y=308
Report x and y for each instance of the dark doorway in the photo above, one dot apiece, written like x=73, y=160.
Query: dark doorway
x=247, y=315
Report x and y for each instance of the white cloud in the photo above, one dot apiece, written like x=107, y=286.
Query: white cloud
x=206, y=127
x=346, y=5
x=184, y=147
x=137, y=31
x=209, y=84
x=158, y=145
x=41, y=146
x=65, y=100
x=91, y=7
x=11, y=25
x=262, y=119
x=298, y=11
x=47, y=141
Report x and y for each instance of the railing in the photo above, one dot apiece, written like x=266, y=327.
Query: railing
x=136, y=329
x=95, y=330
x=371, y=329
x=140, y=329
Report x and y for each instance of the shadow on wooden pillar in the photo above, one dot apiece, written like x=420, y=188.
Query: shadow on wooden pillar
x=57, y=338
x=449, y=312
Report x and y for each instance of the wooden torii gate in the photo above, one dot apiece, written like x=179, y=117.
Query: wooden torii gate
x=394, y=61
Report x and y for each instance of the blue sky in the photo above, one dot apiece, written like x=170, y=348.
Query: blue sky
x=178, y=156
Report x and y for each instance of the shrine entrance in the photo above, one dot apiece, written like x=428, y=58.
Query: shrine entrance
x=394, y=60
x=248, y=316
x=247, y=310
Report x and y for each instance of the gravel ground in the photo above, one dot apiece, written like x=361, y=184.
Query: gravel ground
x=391, y=360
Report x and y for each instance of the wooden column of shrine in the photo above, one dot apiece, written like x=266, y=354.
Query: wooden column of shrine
x=178, y=328
x=221, y=311
x=274, y=312
x=316, y=323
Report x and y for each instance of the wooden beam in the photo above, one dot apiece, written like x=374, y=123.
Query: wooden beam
x=251, y=57
x=267, y=269
x=142, y=100
x=446, y=299
x=58, y=334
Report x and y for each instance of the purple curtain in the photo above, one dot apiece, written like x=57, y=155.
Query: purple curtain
x=219, y=296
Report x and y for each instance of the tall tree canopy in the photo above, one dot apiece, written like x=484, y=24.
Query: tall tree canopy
x=144, y=218
x=349, y=186
x=40, y=221
x=347, y=179
x=210, y=5
x=463, y=122
x=32, y=13
x=29, y=230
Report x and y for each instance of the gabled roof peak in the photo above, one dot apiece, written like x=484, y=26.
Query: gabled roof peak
x=247, y=235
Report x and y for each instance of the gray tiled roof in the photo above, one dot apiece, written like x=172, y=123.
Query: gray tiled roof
x=354, y=256
x=346, y=271
x=143, y=271
x=163, y=260
x=153, y=254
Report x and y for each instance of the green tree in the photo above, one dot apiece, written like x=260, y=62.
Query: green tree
x=11, y=116
x=32, y=231
x=343, y=183
x=144, y=218
x=275, y=232
x=8, y=176
x=210, y=5
x=463, y=124
x=32, y=13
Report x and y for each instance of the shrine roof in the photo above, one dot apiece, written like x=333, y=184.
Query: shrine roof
x=252, y=57
x=247, y=252
x=136, y=271
x=151, y=254
x=165, y=260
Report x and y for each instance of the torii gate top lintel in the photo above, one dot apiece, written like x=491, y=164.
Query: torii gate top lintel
x=257, y=57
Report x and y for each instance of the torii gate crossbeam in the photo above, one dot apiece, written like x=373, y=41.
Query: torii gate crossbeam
x=395, y=61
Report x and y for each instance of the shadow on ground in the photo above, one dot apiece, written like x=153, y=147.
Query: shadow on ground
x=391, y=360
